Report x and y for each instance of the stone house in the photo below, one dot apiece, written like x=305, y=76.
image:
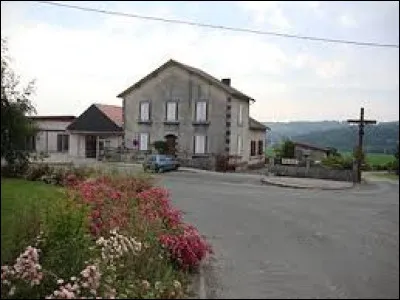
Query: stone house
x=313, y=152
x=196, y=114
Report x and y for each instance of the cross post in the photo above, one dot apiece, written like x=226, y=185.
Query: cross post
x=361, y=124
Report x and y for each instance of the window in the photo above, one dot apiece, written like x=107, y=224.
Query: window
x=260, y=147
x=30, y=143
x=200, y=144
x=144, y=141
x=240, y=117
x=62, y=142
x=144, y=111
x=201, y=111
x=107, y=143
x=172, y=111
x=252, y=148
x=239, y=145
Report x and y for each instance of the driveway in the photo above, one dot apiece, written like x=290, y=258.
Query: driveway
x=272, y=242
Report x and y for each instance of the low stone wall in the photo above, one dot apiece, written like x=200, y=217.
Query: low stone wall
x=203, y=163
x=313, y=172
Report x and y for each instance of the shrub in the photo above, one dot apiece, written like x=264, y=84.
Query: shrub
x=67, y=238
x=37, y=171
x=338, y=162
x=15, y=169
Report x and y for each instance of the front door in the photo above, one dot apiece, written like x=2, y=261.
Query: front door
x=90, y=146
x=170, y=140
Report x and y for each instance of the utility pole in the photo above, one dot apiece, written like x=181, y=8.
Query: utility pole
x=361, y=124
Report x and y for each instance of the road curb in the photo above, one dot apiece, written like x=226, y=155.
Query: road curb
x=294, y=186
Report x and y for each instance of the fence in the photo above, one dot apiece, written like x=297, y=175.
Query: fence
x=318, y=172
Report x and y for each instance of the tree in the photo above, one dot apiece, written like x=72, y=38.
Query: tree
x=161, y=147
x=16, y=105
x=286, y=149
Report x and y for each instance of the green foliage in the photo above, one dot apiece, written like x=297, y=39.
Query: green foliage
x=37, y=171
x=161, y=147
x=333, y=152
x=66, y=239
x=15, y=106
x=338, y=162
x=285, y=150
x=23, y=206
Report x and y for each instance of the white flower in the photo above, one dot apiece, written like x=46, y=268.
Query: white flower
x=60, y=281
x=73, y=278
x=177, y=284
x=12, y=291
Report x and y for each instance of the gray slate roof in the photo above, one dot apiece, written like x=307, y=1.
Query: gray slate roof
x=207, y=77
x=255, y=125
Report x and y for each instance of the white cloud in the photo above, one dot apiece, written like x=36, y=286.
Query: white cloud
x=76, y=67
x=347, y=21
x=266, y=12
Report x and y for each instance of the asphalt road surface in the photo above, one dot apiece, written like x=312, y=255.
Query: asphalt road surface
x=273, y=242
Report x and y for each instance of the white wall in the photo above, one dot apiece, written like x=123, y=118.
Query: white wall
x=46, y=137
x=256, y=135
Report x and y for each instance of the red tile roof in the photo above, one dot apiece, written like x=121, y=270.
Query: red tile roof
x=113, y=112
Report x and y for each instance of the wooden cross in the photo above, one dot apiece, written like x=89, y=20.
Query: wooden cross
x=361, y=124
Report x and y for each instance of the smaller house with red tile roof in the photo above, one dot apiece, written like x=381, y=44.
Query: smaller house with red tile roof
x=97, y=128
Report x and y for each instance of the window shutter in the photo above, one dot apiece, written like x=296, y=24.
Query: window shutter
x=59, y=143
x=171, y=111
x=144, y=140
x=144, y=111
x=239, y=145
x=201, y=111
x=200, y=144
x=260, y=147
x=240, y=118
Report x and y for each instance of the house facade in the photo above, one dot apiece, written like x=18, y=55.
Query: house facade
x=97, y=128
x=196, y=114
x=52, y=138
x=312, y=152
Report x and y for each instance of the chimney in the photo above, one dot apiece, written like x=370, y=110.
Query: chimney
x=226, y=81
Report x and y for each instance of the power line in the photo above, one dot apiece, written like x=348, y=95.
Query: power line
x=237, y=29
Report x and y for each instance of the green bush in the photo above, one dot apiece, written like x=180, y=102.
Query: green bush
x=338, y=162
x=67, y=238
x=37, y=171
x=16, y=169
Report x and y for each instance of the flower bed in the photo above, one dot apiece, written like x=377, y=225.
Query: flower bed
x=120, y=238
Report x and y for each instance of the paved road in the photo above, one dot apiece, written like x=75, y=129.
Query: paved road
x=272, y=242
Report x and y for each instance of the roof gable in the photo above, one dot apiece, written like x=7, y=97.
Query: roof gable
x=255, y=125
x=113, y=112
x=94, y=120
x=207, y=77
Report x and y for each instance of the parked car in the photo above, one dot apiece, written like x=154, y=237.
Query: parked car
x=160, y=163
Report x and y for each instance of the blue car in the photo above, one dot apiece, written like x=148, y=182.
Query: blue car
x=160, y=163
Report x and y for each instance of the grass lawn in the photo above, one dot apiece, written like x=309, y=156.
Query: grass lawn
x=375, y=158
x=23, y=203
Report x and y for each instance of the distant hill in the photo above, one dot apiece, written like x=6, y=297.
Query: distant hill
x=380, y=138
x=283, y=130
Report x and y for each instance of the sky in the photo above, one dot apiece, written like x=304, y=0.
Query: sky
x=78, y=58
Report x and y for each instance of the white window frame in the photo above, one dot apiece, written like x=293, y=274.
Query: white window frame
x=197, y=149
x=239, y=145
x=240, y=116
x=143, y=146
x=144, y=117
x=199, y=117
x=172, y=105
